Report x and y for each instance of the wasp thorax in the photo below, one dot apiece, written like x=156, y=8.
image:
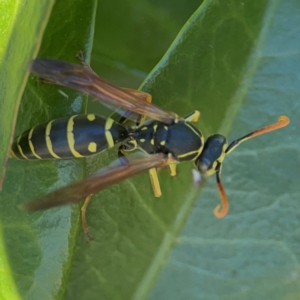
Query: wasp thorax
x=212, y=155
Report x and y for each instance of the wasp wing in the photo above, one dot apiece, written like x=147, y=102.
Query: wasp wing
x=97, y=182
x=85, y=80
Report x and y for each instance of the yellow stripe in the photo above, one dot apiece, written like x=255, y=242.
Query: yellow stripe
x=212, y=169
x=194, y=130
x=189, y=153
x=31, y=144
x=223, y=154
x=48, y=140
x=71, y=140
x=19, y=147
x=108, y=124
x=199, y=134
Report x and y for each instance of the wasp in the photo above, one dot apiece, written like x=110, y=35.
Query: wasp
x=165, y=138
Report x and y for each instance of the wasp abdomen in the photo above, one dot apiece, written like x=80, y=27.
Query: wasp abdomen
x=67, y=137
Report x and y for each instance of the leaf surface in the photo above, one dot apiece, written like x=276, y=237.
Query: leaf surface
x=236, y=62
x=217, y=64
x=37, y=248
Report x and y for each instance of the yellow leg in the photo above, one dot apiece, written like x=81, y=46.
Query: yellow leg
x=83, y=218
x=193, y=117
x=155, y=182
x=172, y=169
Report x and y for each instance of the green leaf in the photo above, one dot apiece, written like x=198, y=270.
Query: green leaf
x=19, y=24
x=131, y=36
x=238, y=63
x=253, y=253
x=217, y=64
x=38, y=247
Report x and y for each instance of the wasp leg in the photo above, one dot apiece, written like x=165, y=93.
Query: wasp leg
x=155, y=182
x=221, y=210
x=122, y=156
x=172, y=169
x=152, y=172
x=154, y=178
x=83, y=218
x=128, y=146
x=193, y=116
x=282, y=122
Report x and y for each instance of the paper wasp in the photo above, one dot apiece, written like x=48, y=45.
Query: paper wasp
x=166, y=138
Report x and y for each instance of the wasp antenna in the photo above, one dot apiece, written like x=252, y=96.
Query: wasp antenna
x=282, y=122
x=221, y=210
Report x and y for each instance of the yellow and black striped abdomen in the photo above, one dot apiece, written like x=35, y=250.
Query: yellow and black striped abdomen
x=76, y=136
